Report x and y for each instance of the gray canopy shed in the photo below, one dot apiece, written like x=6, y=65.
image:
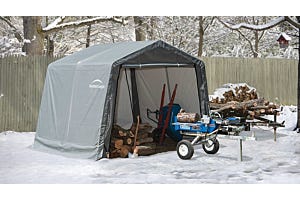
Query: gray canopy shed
x=88, y=91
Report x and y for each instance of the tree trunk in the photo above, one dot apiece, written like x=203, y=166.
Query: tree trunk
x=255, y=53
x=298, y=87
x=88, y=36
x=151, y=28
x=140, y=28
x=201, y=36
x=50, y=42
x=34, y=38
x=50, y=46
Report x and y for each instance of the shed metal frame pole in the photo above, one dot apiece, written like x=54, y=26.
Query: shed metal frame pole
x=134, y=97
x=298, y=85
x=168, y=83
x=240, y=154
x=275, y=128
x=240, y=140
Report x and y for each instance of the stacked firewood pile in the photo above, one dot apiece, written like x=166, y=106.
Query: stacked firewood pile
x=124, y=142
x=236, y=92
x=242, y=102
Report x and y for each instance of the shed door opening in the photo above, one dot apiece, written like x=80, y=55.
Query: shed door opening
x=150, y=82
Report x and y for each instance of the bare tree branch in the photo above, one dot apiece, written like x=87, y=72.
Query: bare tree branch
x=263, y=27
x=262, y=34
x=57, y=25
x=291, y=21
x=208, y=24
x=248, y=40
x=57, y=21
x=15, y=30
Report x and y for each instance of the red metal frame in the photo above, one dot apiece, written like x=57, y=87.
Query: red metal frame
x=166, y=123
x=162, y=100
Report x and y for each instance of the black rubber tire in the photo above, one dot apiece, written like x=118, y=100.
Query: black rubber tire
x=213, y=147
x=185, y=149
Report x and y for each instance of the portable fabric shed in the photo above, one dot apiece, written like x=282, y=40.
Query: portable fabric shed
x=88, y=91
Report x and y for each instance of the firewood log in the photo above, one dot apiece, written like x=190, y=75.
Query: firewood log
x=128, y=141
x=142, y=134
x=124, y=152
x=188, y=117
x=144, y=140
x=142, y=127
x=226, y=107
x=118, y=131
x=122, y=143
x=240, y=109
x=128, y=147
x=136, y=131
x=153, y=148
x=125, y=133
x=114, y=153
x=122, y=133
x=259, y=107
x=240, y=94
x=262, y=111
x=118, y=143
x=145, y=150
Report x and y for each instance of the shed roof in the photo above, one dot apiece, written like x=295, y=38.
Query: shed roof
x=103, y=53
x=130, y=52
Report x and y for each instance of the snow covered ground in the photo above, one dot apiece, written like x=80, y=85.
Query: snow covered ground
x=265, y=161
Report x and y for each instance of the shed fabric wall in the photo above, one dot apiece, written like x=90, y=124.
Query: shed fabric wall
x=71, y=109
x=123, y=113
x=150, y=83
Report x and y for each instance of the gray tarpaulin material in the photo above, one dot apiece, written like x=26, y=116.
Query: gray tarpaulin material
x=88, y=91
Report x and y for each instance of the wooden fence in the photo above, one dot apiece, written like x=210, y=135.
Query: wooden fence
x=21, y=86
x=273, y=78
x=22, y=81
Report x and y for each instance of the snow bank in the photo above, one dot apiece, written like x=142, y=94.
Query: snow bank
x=288, y=115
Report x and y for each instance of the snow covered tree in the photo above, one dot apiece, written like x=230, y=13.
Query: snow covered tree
x=253, y=37
x=199, y=36
x=267, y=26
x=204, y=23
x=34, y=33
x=11, y=39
